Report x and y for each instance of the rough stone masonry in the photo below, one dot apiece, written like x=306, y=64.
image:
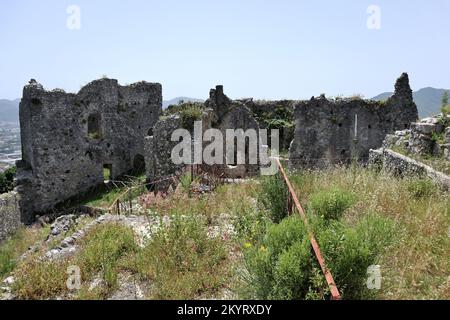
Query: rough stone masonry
x=341, y=130
x=70, y=140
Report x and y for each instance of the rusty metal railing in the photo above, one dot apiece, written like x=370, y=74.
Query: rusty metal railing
x=123, y=204
x=293, y=200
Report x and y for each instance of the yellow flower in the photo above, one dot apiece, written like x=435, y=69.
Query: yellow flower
x=263, y=248
x=247, y=245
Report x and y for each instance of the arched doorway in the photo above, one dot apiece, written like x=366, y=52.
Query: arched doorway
x=138, y=165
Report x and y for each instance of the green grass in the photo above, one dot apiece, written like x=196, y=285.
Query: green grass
x=182, y=262
x=360, y=218
x=12, y=248
x=105, y=197
x=102, y=249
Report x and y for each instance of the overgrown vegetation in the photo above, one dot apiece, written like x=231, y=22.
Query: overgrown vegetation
x=280, y=117
x=415, y=264
x=445, y=107
x=182, y=261
x=331, y=204
x=7, y=180
x=283, y=266
x=100, y=254
x=273, y=198
x=16, y=245
x=279, y=266
x=102, y=249
x=188, y=111
x=359, y=217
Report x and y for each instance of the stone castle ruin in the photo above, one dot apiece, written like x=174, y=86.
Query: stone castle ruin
x=342, y=130
x=70, y=140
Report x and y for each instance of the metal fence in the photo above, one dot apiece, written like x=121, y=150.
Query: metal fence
x=206, y=178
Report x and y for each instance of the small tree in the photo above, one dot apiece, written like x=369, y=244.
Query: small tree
x=445, y=108
x=445, y=99
x=7, y=180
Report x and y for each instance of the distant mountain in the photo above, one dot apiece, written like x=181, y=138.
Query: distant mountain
x=428, y=100
x=175, y=101
x=9, y=110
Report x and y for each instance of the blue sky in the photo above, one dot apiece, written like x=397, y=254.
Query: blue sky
x=262, y=49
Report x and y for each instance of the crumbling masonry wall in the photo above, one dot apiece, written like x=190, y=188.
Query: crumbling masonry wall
x=9, y=214
x=68, y=139
x=341, y=130
x=218, y=112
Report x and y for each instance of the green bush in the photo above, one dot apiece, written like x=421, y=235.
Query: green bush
x=283, y=265
x=331, y=204
x=280, y=267
x=445, y=110
x=7, y=180
x=273, y=197
x=349, y=251
x=189, y=114
x=293, y=271
x=186, y=181
x=421, y=188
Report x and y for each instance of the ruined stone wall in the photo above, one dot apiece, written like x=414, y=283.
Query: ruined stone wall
x=9, y=214
x=340, y=130
x=403, y=166
x=158, y=149
x=68, y=139
x=219, y=112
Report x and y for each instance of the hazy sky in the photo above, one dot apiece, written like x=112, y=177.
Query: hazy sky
x=262, y=49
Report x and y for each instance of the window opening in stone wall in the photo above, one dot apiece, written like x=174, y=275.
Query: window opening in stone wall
x=107, y=170
x=94, y=126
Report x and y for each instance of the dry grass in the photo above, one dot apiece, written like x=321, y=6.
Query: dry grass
x=417, y=265
x=182, y=262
